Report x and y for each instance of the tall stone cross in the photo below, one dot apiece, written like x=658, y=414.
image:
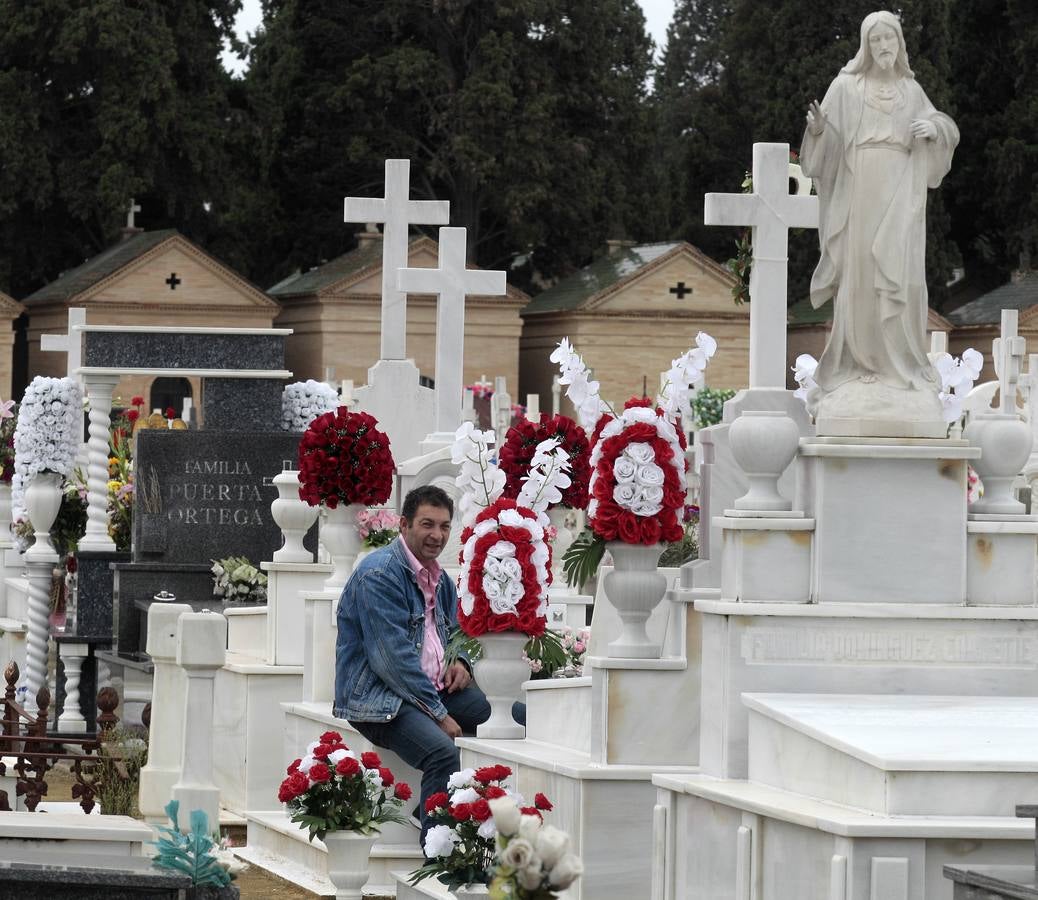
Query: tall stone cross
x=398, y=213
x=135, y=207
x=1008, y=350
x=71, y=344
x=771, y=211
x=451, y=282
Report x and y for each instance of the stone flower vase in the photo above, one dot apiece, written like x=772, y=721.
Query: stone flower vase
x=348, y=853
x=763, y=444
x=471, y=890
x=1005, y=442
x=294, y=517
x=564, y=538
x=635, y=588
x=42, y=502
x=342, y=541
x=500, y=673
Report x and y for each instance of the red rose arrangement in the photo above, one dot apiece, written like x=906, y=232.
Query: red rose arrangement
x=521, y=442
x=331, y=789
x=638, y=481
x=344, y=458
x=459, y=847
x=505, y=571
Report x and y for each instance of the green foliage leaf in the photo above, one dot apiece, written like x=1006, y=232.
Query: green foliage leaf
x=583, y=558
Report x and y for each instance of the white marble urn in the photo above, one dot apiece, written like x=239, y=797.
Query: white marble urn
x=1005, y=442
x=763, y=444
x=294, y=517
x=635, y=588
x=343, y=542
x=348, y=862
x=500, y=673
x=42, y=503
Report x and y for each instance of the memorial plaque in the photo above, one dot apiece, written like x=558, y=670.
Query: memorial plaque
x=204, y=495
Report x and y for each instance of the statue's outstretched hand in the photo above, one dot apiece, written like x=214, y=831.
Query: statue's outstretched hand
x=815, y=118
x=924, y=129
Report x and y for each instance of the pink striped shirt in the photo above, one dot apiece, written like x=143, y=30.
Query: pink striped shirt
x=428, y=576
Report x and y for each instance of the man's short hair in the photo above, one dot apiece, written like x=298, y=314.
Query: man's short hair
x=428, y=494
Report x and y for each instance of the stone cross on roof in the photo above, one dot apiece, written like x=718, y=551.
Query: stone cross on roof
x=1008, y=351
x=135, y=207
x=451, y=281
x=397, y=212
x=771, y=211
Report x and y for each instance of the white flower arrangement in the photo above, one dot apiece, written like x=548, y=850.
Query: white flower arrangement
x=304, y=401
x=957, y=378
x=49, y=430
x=581, y=390
x=235, y=578
x=548, y=476
x=686, y=373
x=480, y=480
x=533, y=859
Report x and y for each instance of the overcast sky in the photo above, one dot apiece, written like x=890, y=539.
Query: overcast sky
x=657, y=15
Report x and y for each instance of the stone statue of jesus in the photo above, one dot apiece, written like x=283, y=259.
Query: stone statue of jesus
x=873, y=147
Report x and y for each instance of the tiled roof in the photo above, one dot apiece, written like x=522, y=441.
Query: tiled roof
x=986, y=309
x=75, y=281
x=367, y=253
x=574, y=291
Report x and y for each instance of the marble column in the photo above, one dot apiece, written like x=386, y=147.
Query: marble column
x=201, y=652
x=99, y=392
x=71, y=719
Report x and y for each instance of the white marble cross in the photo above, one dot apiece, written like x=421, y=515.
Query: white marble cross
x=397, y=212
x=451, y=281
x=70, y=344
x=771, y=211
x=1008, y=351
x=135, y=207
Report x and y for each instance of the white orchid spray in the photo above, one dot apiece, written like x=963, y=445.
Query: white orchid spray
x=804, y=375
x=548, y=476
x=686, y=373
x=480, y=480
x=957, y=378
x=581, y=390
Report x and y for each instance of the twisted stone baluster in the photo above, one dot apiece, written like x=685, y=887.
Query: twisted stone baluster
x=37, y=633
x=99, y=391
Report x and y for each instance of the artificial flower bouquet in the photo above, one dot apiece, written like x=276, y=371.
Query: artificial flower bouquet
x=378, y=527
x=344, y=458
x=533, y=860
x=304, y=401
x=459, y=848
x=505, y=557
x=235, y=578
x=331, y=789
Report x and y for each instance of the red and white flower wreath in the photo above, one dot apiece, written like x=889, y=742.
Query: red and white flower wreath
x=638, y=481
x=505, y=572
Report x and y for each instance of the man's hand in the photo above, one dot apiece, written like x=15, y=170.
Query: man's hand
x=456, y=678
x=451, y=728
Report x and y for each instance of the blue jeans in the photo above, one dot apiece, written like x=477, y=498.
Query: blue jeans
x=420, y=742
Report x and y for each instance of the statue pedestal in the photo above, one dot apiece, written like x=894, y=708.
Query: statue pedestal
x=873, y=409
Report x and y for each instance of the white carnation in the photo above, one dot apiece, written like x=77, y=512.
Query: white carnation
x=440, y=841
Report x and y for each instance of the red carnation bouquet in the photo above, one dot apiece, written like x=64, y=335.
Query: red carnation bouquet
x=331, y=789
x=459, y=847
x=506, y=570
x=638, y=481
x=344, y=458
x=521, y=443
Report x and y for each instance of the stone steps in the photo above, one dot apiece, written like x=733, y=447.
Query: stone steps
x=897, y=755
x=558, y=712
x=73, y=832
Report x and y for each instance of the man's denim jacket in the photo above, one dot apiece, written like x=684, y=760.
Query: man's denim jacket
x=381, y=621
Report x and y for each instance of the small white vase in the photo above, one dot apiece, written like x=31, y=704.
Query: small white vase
x=42, y=502
x=635, y=588
x=471, y=890
x=348, y=853
x=294, y=517
x=342, y=541
x=1005, y=442
x=763, y=444
x=564, y=538
x=500, y=673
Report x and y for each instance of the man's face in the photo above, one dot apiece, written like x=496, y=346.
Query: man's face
x=426, y=535
x=883, y=46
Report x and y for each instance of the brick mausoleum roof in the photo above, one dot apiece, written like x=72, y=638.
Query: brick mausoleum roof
x=573, y=292
x=986, y=309
x=75, y=281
